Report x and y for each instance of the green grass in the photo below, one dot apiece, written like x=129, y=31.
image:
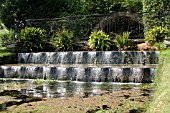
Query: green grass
x=161, y=98
x=4, y=52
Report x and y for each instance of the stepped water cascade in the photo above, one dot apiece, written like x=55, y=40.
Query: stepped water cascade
x=98, y=66
x=116, y=57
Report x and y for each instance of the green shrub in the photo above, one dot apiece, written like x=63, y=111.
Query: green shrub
x=63, y=40
x=156, y=34
x=131, y=5
x=154, y=13
x=123, y=42
x=7, y=37
x=1, y=25
x=159, y=45
x=99, y=41
x=31, y=39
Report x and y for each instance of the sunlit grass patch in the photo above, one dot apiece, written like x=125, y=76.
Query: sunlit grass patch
x=161, y=100
x=4, y=52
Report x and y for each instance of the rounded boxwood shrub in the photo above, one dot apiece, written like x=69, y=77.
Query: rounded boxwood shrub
x=31, y=39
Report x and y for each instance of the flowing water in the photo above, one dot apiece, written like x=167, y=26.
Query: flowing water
x=62, y=89
x=109, y=57
x=81, y=72
x=87, y=72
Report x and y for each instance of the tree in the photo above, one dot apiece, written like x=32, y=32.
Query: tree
x=23, y=9
x=20, y=10
x=132, y=5
x=154, y=14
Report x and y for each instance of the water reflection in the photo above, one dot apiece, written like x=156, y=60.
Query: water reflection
x=60, y=89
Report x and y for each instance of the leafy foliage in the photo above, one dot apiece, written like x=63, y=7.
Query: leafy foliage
x=31, y=39
x=155, y=17
x=156, y=34
x=7, y=37
x=63, y=40
x=99, y=41
x=132, y=5
x=4, y=52
x=25, y=9
x=122, y=41
x=160, y=45
x=1, y=26
x=100, y=6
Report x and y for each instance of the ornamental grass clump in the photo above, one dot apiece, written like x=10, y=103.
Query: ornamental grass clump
x=123, y=42
x=156, y=34
x=99, y=40
x=156, y=37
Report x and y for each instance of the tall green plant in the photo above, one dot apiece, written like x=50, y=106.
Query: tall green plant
x=99, y=41
x=31, y=39
x=123, y=42
x=156, y=34
x=2, y=26
x=63, y=40
x=7, y=37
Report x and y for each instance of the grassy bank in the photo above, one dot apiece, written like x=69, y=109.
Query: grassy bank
x=161, y=99
x=7, y=57
x=4, y=52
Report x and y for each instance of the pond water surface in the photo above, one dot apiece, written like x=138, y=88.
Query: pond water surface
x=63, y=89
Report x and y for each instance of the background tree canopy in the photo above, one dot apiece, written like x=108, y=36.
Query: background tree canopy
x=29, y=9
x=24, y=9
x=156, y=16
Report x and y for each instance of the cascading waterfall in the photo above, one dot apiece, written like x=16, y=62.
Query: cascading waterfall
x=53, y=73
x=58, y=58
x=46, y=72
x=91, y=58
x=106, y=58
x=115, y=57
x=78, y=74
x=62, y=73
x=86, y=74
x=109, y=66
x=152, y=74
x=10, y=72
x=115, y=74
x=133, y=57
x=118, y=57
x=137, y=75
x=96, y=75
x=77, y=58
